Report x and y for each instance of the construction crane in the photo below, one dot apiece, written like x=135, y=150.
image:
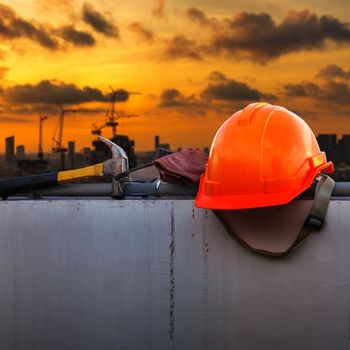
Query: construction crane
x=111, y=117
x=57, y=136
x=42, y=118
x=97, y=130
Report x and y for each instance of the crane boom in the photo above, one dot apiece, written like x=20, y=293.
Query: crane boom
x=111, y=118
x=42, y=118
x=57, y=137
x=57, y=141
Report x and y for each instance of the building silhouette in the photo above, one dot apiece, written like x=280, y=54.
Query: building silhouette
x=71, y=154
x=337, y=151
x=10, y=150
x=346, y=148
x=20, y=152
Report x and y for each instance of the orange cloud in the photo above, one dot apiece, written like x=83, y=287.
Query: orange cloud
x=158, y=10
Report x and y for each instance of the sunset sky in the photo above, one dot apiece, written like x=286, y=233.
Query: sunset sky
x=184, y=66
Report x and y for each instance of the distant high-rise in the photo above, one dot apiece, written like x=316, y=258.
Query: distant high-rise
x=71, y=153
x=328, y=144
x=346, y=148
x=156, y=144
x=20, y=152
x=86, y=155
x=165, y=146
x=10, y=149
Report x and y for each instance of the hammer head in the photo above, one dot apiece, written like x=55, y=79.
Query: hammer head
x=119, y=161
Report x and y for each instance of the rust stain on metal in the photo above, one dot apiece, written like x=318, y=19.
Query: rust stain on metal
x=205, y=288
x=172, y=278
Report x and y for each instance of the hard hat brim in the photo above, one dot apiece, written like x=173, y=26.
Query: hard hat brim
x=248, y=201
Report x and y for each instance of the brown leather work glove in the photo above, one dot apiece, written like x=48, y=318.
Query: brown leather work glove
x=185, y=167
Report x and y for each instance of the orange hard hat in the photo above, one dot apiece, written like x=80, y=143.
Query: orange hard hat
x=263, y=155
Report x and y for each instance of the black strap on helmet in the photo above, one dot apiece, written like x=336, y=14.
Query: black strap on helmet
x=317, y=214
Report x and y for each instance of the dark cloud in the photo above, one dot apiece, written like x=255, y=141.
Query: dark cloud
x=174, y=99
x=217, y=76
x=332, y=28
x=17, y=120
x=158, y=10
x=338, y=92
x=181, y=47
x=303, y=89
x=47, y=92
x=142, y=32
x=192, y=106
x=122, y=95
x=12, y=26
x=232, y=90
x=332, y=71
x=260, y=38
x=221, y=94
x=77, y=37
x=334, y=92
x=30, y=109
x=99, y=22
x=85, y=110
x=201, y=18
x=39, y=33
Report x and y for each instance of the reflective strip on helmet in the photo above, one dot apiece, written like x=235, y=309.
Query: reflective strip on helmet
x=318, y=160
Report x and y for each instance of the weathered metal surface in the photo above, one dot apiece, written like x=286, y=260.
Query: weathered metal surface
x=158, y=274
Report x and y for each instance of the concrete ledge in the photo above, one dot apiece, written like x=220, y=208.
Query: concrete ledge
x=159, y=274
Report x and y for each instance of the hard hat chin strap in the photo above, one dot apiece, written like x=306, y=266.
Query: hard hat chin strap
x=318, y=211
x=322, y=197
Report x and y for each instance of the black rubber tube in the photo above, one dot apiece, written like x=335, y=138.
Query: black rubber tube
x=131, y=189
x=26, y=183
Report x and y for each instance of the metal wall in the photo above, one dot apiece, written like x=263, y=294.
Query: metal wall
x=144, y=274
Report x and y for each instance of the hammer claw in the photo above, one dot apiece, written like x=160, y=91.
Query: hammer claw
x=119, y=162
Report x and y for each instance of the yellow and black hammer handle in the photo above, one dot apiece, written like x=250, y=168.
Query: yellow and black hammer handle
x=28, y=183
